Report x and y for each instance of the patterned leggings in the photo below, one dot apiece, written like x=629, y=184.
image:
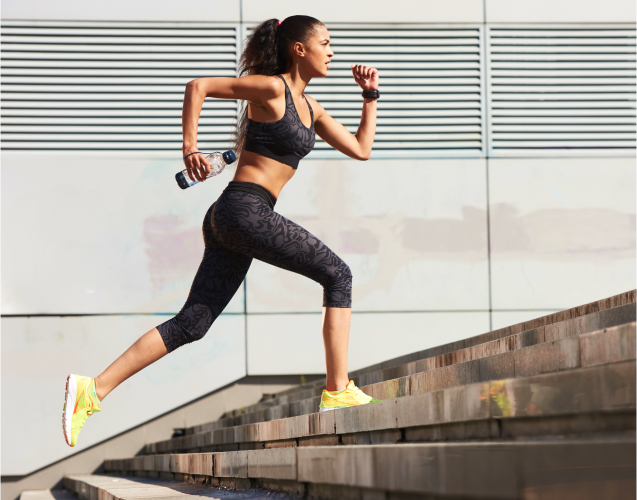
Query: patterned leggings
x=238, y=227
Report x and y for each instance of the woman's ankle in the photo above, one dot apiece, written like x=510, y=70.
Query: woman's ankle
x=101, y=393
x=336, y=386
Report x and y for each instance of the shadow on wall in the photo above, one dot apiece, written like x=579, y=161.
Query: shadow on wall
x=170, y=248
x=396, y=240
x=591, y=234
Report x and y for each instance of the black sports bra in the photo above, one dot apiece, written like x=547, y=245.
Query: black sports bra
x=286, y=140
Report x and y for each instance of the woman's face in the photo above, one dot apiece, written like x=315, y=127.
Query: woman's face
x=316, y=53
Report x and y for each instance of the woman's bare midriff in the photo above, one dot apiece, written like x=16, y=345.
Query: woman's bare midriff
x=268, y=173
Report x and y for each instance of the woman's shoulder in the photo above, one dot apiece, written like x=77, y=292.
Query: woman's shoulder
x=268, y=86
x=265, y=89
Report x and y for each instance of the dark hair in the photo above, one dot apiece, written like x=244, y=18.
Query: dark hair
x=266, y=52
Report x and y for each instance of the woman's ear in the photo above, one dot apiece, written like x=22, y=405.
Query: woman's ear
x=298, y=49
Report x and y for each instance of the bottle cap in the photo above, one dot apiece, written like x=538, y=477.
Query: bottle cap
x=229, y=157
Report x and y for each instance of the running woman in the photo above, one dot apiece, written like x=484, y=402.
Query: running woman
x=277, y=129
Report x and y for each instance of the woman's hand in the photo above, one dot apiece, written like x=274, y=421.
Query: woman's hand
x=365, y=77
x=197, y=165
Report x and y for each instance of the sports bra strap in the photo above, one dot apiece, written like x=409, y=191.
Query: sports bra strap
x=286, y=100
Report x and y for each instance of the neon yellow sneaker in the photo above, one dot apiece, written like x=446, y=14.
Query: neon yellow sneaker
x=350, y=396
x=80, y=402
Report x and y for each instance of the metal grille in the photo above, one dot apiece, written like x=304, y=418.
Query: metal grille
x=111, y=86
x=561, y=88
x=119, y=86
x=431, y=102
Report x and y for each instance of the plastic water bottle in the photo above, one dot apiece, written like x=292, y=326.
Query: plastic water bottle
x=218, y=162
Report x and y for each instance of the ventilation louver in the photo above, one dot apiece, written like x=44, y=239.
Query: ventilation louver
x=431, y=103
x=111, y=86
x=565, y=89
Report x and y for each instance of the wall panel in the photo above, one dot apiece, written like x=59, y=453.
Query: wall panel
x=502, y=319
x=413, y=233
x=114, y=233
x=360, y=11
x=289, y=343
x=122, y=10
x=562, y=231
x=559, y=11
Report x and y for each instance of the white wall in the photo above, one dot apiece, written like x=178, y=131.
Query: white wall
x=117, y=235
x=113, y=233
x=559, y=11
x=562, y=230
x=352, y=11
x=122, y=10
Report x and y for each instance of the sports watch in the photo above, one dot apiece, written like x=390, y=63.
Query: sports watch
x=370, y=94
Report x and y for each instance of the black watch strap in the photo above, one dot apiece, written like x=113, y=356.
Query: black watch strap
x=371, y=94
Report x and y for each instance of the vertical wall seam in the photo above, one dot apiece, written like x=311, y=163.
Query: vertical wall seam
x=486, y=41
x=489, y=245
x=486, y=125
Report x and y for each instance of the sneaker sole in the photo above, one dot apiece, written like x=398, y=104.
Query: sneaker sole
x=334, y=408
x=67, y=412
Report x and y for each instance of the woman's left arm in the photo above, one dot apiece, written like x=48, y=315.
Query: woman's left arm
x=357, y=146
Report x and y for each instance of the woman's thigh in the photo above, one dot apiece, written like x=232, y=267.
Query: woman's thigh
x=245, y=226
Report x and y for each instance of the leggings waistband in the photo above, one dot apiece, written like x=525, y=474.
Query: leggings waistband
x=252, y=188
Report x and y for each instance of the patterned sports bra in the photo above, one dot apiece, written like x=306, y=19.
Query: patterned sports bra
x=286, y=140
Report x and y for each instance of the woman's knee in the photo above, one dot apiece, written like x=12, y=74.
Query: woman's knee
x=191, y=324
x=337, y=290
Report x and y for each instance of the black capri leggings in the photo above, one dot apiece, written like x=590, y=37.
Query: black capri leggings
x=239, y=226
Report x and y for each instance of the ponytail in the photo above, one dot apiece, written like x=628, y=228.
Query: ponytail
x=266, y=52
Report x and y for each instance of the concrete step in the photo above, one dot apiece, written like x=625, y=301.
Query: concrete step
x=306, y=401
x=46, y=495
x=94, y=487
x=585, y=371
x=470, y=411
x=585, y=400
x=575, y=312
x=534, y=324
x=529, y=469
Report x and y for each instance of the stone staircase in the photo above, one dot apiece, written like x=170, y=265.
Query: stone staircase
x=543, y=409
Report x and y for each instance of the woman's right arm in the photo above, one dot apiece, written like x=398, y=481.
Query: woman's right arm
x=254, y=88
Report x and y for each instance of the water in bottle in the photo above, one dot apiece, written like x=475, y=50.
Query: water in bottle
x=218, y=162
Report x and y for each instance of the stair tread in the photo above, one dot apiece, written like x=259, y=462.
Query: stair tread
x=458, y=404
x=567, y=352
x=46, y=495
x=529, y=429
x=613, y=302
x=502, y=469
x=607, y=318
x=139, y=488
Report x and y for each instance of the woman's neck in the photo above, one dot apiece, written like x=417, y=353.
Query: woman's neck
x=297, y=81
